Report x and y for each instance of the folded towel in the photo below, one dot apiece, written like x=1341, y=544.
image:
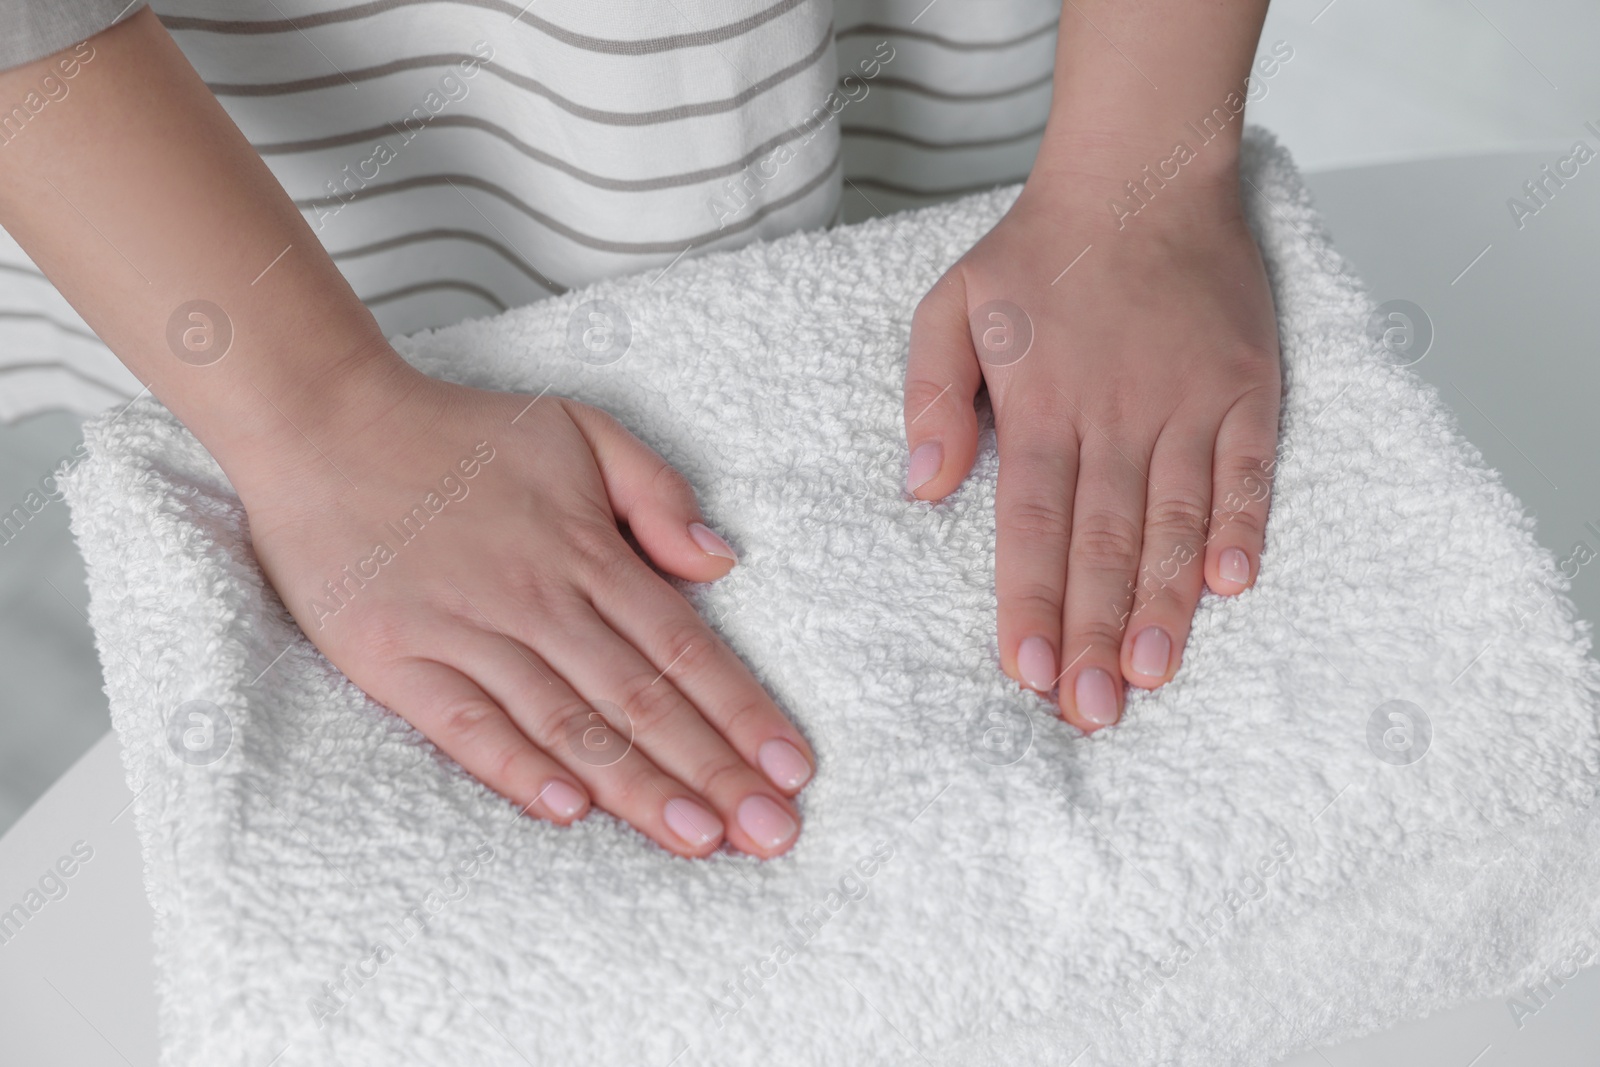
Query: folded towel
x=1365, y=796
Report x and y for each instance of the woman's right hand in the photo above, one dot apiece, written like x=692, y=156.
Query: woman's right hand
x=510, y=620
x=506, y=617
x=514, y=627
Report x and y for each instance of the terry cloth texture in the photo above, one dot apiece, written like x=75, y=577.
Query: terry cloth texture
x=1267, y=853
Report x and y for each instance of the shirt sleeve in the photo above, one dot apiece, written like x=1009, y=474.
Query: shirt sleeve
x=33, y=29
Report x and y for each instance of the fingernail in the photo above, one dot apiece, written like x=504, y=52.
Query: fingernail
x=710, y=543
x=767, y=823
x=1036, y=662
x=1151, y=650
x=563, y=800
x=691, y=822
x=924, y=465
x=1234, y=566
x=1097, y=700
x=784, y=764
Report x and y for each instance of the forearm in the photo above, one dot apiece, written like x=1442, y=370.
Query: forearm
x=1135, y=79
x=137, y=195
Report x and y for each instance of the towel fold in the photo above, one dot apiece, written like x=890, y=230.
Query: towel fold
x=1366, y=795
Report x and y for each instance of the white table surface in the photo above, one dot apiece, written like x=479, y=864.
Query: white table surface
x=1514, y=353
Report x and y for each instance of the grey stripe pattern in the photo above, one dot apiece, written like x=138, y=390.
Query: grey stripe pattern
x=876, y=30
x=447, y=284
x=22, y=269
x=39, y=316
x=389, y=244
x=522, y=14
x=556, y=225
x=534, y=86
x=599, y=181
x=945, y=193
x=58, y=368
x=529, y=149
x=901, y=137
x=936, y=93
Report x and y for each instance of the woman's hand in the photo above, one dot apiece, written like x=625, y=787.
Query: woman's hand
x=504, y=615
x=456, y=552
x=1137, y=428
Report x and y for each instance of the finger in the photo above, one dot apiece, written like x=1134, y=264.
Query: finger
x=1172, y=558
x=1033, y=523
x=1107, y=530
x=942, y=380
x=597, y=750
x=654, y=617
x=471, y=728
x=1245, y=463
x=673, y=733
x=655, y=500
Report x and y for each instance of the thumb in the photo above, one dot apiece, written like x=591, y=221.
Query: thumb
x=654, y=499
x=942, y=379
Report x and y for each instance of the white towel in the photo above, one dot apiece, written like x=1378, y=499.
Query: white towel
x=1256, y=859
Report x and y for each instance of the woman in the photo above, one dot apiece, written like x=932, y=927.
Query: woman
x=1118, y=317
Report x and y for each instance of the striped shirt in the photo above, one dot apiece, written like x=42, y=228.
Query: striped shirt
x=458, y=157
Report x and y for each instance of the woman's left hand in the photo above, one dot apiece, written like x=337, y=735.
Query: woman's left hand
x=1132, y=365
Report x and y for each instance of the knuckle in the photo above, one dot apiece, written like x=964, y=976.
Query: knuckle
x=1117, y=416
x=686, y=647
x=1242, y=465
x=634, y=782
x=384, y=639
x=923, y=396
x=464, y=720
x=1049, y=418
x=1252, y=360
x=506, y=767
x=599, y=551
x=531, y=585
x=650, y=702
x=1097, y=633
x=1244, y=486
x=1178, y=514
x=750, y=718
x=563, y=727
x=722, y=777
x=1037, y=517
x=1154, y=593
x=669, y=482
x=1105, y=540
x=1242, y=522
x=1036, y=601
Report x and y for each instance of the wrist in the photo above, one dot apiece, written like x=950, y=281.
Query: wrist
x=1116, y=135
x=1116, y=148
x=1119, y=182
x=284, y=427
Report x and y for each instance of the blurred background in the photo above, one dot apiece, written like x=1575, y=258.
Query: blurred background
x=1416, y=123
